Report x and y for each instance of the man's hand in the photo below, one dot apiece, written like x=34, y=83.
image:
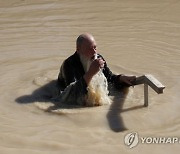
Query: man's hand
x=95, y=66
x=127, y=79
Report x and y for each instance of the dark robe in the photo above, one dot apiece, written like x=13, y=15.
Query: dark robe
x=71, y=83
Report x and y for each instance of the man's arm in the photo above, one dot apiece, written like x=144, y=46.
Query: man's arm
x=66, y=74
x=120, y=80
x=72, y=90
x=96, y=65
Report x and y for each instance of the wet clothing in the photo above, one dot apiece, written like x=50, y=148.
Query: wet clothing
x=73, y=87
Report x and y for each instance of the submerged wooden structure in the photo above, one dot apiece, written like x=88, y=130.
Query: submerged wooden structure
x=149, y=80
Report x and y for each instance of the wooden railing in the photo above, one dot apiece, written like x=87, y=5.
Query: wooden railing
x=149, y=80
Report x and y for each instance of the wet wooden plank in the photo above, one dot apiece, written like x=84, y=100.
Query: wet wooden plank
x=154, y=84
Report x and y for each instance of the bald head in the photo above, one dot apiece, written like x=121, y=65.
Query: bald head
x=86, y=45
x=83, y=38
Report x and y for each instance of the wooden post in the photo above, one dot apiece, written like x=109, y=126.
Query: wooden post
x=145, y=95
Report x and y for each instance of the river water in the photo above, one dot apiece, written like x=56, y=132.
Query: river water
x=134, y=36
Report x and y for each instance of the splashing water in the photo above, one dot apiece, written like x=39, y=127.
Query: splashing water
x=98, y=90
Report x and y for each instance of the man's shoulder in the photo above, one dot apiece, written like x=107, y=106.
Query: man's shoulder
x=71, y=59
x=72, y=62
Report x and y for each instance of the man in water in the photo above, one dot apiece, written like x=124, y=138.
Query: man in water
x=84, y=76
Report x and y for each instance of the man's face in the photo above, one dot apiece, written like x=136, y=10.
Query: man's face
x=88, y=48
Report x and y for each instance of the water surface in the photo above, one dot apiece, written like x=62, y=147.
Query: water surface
x=134, y=36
